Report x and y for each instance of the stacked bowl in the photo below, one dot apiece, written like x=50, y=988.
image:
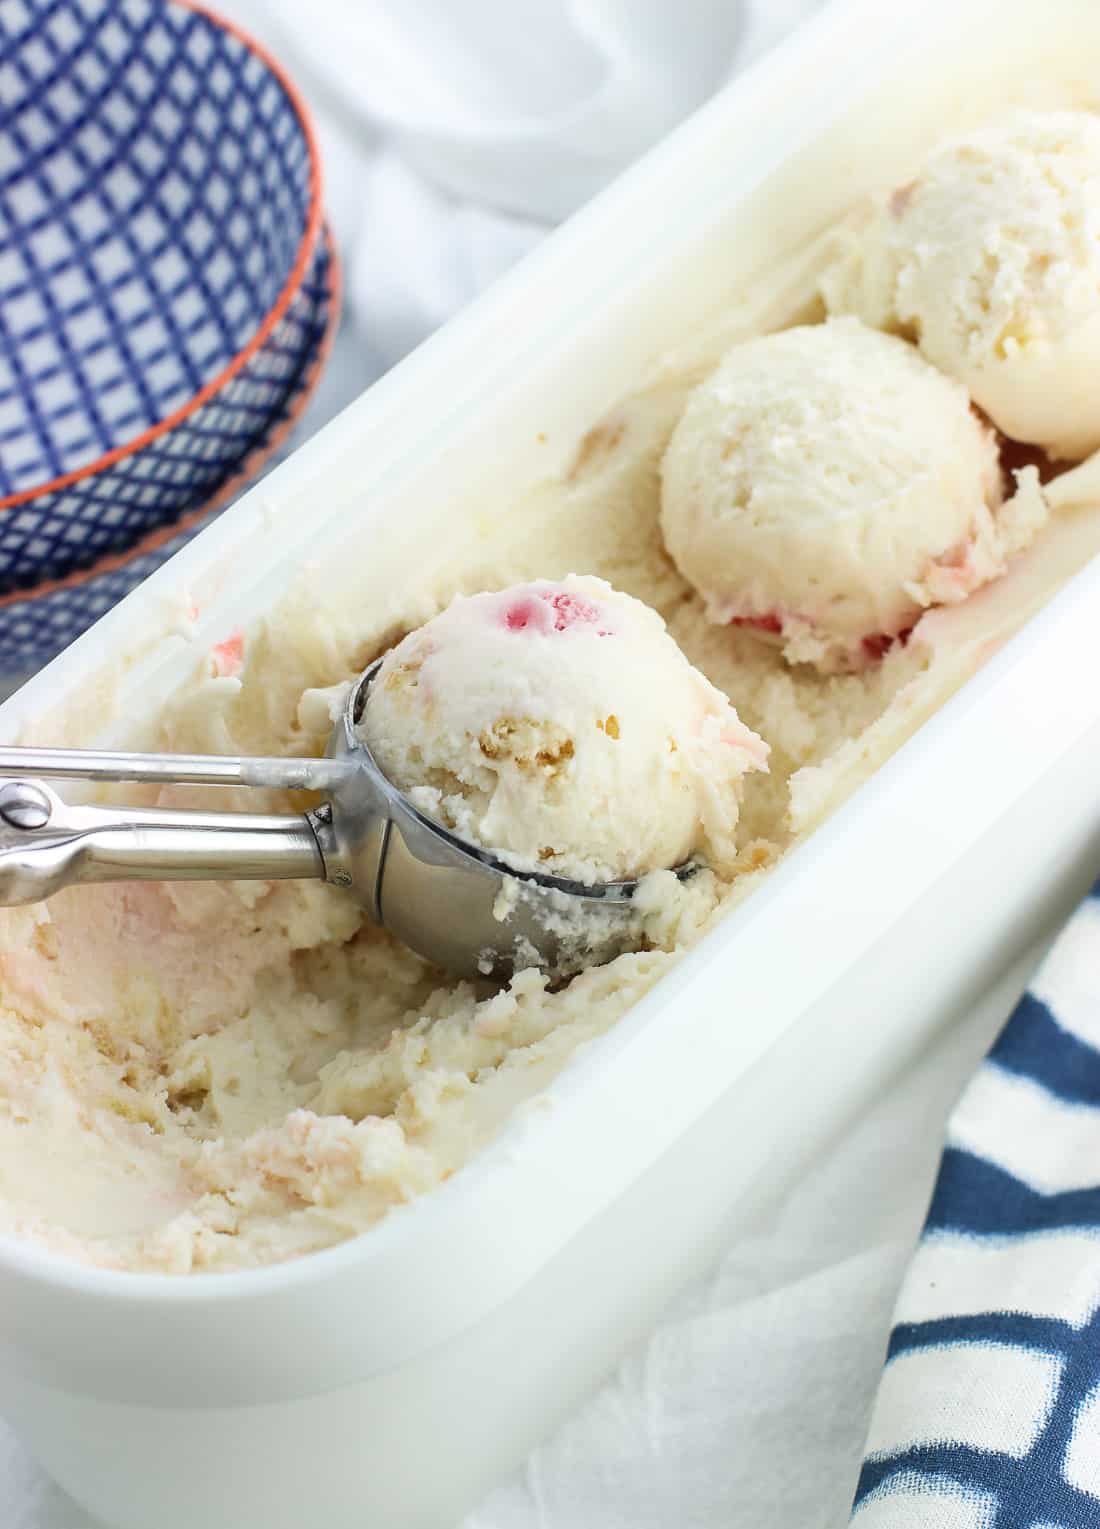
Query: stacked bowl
x=168, y=293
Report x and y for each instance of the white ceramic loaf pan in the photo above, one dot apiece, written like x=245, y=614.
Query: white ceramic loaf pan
x=388, y=1382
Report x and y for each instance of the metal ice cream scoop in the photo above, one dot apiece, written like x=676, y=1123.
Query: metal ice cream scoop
x=455, y=905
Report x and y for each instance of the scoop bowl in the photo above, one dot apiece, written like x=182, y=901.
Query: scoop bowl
x=459, y=907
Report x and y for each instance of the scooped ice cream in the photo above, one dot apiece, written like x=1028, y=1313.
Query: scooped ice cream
x=826, y=485
x=558, y=725
x=990, y=259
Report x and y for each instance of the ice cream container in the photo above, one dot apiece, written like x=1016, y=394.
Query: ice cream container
x=391, y=1380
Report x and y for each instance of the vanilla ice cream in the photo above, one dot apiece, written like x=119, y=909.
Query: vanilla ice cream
x=826, y=485
x=990, y=259
x=559, y=726
x=204, y=1077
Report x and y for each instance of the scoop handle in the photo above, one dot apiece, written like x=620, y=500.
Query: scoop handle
x=183, y=769
x=47, y=844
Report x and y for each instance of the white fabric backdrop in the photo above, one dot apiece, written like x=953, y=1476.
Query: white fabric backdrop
x=449, y=149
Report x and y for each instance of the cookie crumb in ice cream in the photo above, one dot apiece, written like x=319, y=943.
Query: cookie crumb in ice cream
x=558, y=725
x=826, y=484
x=599, y=444
x=990, y=260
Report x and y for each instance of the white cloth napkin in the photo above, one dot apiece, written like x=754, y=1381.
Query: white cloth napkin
x=987, y=1411
x=456, y=132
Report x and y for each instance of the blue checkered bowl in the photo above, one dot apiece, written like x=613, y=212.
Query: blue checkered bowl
x=35, y=625
x=159, y=212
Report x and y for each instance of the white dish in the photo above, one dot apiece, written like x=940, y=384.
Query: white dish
x=390, y=1380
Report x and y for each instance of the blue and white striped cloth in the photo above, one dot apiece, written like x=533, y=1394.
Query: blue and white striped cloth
x=988, y=1412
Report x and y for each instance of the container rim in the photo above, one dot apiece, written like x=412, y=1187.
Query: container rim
x=313, y=225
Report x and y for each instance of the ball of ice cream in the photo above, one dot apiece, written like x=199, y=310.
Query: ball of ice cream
x=558, y=725
x=826, y=484
x=990, y=260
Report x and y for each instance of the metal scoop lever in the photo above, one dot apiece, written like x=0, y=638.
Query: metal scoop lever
x=457, y=906
x=47, y=844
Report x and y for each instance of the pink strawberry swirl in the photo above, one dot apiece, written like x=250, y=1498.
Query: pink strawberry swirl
x=544, y=611
x=949, y=579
